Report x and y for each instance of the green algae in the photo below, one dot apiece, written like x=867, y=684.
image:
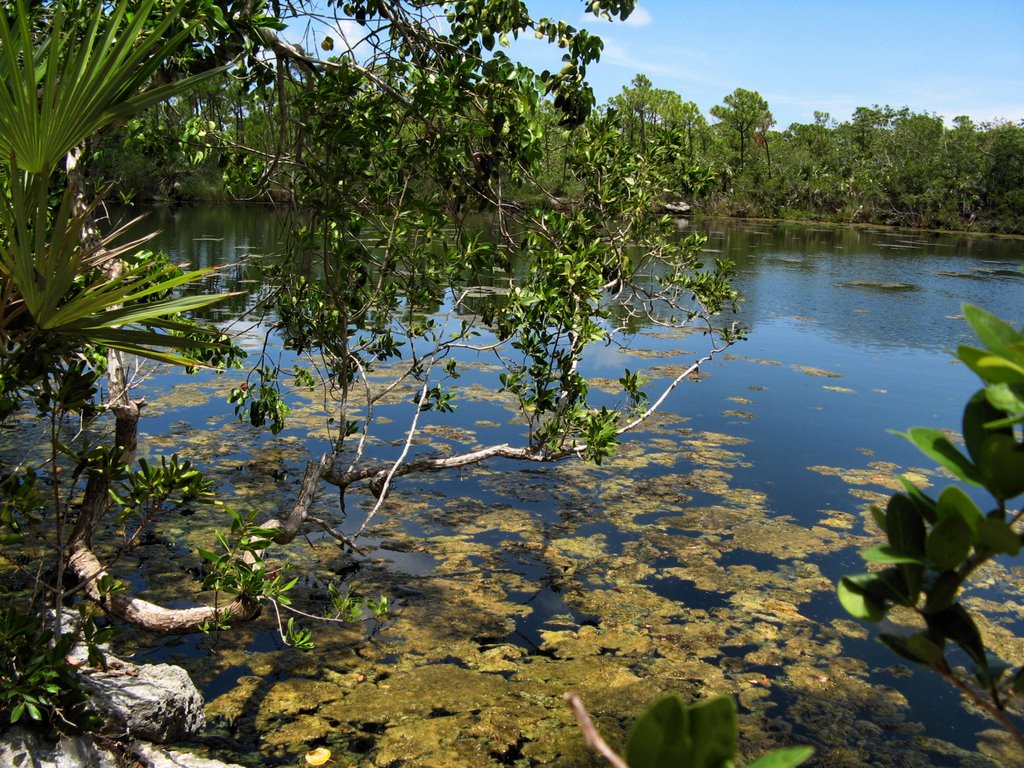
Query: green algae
x=504, y=599
x=808, y=370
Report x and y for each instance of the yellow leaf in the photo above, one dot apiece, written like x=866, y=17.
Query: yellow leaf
x=318, y=756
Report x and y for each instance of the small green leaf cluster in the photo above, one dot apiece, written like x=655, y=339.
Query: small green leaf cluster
x=20, y=499
x=36, y=681
x=631, y=383
x=934, y=545
x=350, y=606
x=154, y=489
x=237, y=567
x=264, y=403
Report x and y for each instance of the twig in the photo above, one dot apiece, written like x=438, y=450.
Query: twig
x=398, y=462
x=590, y=734
x=979, y=701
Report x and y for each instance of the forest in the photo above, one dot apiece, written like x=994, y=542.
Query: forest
x=250, y=452
x=884, y=165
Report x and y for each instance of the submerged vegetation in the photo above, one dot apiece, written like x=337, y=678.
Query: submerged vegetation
x=448, y=628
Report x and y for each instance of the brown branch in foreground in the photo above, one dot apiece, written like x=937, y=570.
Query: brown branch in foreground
x=178, y=621
x=150, y=616
x=990, y=708
x=590, y=734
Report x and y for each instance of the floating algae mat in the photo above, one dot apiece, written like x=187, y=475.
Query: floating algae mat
x=658, y=571
x=701, y=559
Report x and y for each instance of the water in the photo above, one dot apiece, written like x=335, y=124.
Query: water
x=700, y=560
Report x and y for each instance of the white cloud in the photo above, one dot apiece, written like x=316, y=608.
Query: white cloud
x=640, y=17
x=620, y=56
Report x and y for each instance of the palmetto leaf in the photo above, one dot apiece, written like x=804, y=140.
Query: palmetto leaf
x=57, y=93
x=54, y=94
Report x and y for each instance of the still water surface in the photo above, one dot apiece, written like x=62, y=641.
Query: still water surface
x=700, y=560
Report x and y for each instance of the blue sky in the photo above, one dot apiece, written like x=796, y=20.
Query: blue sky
x=949, y=58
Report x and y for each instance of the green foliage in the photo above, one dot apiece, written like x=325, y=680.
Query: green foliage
x=154, y=490
x=263, y=403
x=56, y=93
x=385, y=163
x=671, y=734
x=36, y=682
x=71, y=297
x=743, y=116
x=237, y=567
x=349, y=606
x=934, y=545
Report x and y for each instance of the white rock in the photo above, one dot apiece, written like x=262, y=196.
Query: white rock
x=24, y=748
x=152, y=702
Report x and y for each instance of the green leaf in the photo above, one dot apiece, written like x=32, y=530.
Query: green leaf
x=978, y=414
x=904, y=525
x=1006, y=397
x=924, y=503
x=787, y=757
x=995, y=333
x=886, y=553
x=937, y=446
x=948, y=543
x=900, y=584
x=1002, y=465
x=859, y=596
x=942, y=592
x=661, y=736
x=998, y=537
x=713, y=732
x=1017, y=681
x=955, y=624
x=991, y=672
x=918, y=648
x=991, y=369
x=953, y=501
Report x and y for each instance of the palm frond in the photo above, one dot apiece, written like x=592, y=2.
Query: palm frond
x=56, y=93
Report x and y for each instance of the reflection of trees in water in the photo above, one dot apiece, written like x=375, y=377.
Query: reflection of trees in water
x=870, y=286
x=236, y=238
x=846, y=279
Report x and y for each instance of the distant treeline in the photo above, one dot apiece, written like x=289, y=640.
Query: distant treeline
x=884, y=165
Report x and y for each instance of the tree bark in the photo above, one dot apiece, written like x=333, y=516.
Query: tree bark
x=88, y=569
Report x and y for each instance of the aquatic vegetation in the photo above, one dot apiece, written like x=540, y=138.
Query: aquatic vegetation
x=811, y=371
x=879, y=285
x=597, y=580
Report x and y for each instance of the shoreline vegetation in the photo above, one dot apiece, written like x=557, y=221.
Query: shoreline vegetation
x=882, y=167
x=696, y=215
